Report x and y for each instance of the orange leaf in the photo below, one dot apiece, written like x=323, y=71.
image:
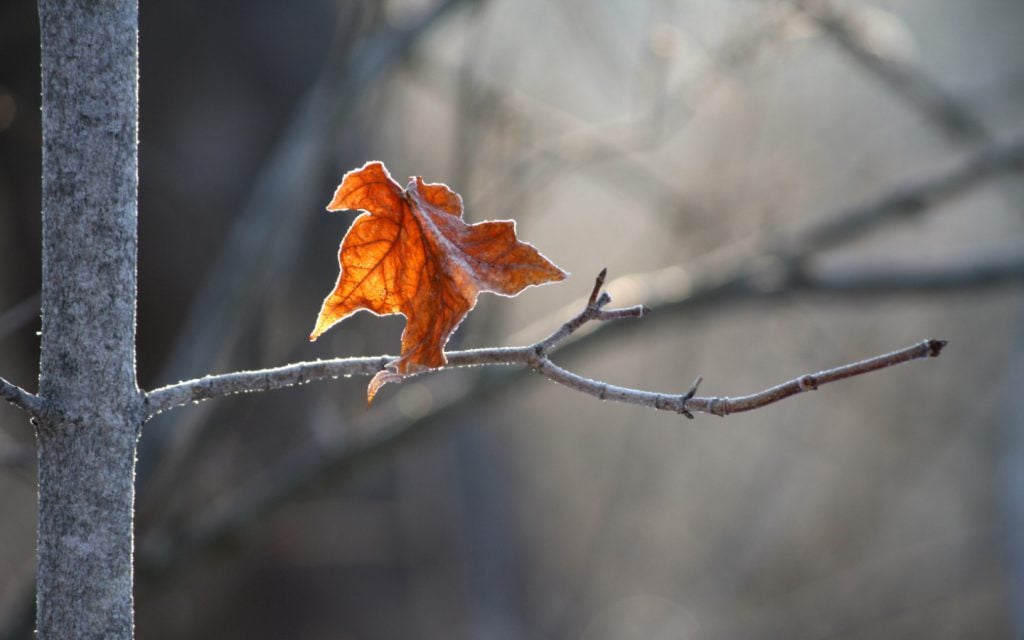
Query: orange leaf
x=411, y=253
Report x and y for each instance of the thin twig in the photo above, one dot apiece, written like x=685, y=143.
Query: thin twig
x=20, y=398
x=810, y=382
x=688, y=402
x=534, y=356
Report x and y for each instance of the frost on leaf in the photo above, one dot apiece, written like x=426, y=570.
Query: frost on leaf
x=410, y=253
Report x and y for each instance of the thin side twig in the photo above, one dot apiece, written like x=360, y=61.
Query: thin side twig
x=688, y=402
x=20, y=398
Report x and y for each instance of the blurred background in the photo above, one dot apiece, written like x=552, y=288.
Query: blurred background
x=789, y=185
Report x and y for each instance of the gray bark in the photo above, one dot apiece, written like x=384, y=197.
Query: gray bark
x=88, y=431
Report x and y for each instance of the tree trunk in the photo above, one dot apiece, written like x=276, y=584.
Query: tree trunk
x=86, y=439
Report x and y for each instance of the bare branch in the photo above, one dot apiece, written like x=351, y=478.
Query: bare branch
x=536, y=357
x=20, y=398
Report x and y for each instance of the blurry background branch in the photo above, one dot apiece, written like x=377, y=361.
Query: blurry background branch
x=856, y=31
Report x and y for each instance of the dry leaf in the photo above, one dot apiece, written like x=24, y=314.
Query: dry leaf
x=411, y=253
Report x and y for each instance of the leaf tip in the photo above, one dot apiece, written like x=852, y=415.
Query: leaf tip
x=372, y=172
